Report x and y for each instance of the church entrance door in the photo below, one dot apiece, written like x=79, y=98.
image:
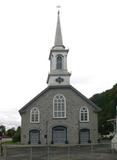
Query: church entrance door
x=34, y=137
x=84, y=136
x=59, y=135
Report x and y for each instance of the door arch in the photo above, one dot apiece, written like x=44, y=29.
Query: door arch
x=59, y=135
x=34, y=136
x=84, y=136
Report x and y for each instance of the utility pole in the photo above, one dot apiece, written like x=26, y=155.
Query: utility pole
x=116, y=120
x=1, y=147
x=114, y=140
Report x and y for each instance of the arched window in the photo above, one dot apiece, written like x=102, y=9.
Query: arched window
x=84, y=114
x=59, y=106
x=59, y=62
x=34, y=115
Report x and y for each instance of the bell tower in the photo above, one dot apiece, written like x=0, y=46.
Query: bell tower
x=59, y=74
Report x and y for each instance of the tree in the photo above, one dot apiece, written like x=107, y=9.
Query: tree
x=107, y=101
x=17, y=135
x=2, y=130
x=11, y=132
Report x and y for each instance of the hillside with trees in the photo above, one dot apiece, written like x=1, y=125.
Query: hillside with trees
x=107, y=101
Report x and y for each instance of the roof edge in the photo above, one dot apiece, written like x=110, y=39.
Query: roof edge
x=31, y=101
x=97, y=109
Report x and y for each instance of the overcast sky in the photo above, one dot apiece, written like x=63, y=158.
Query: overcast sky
x=27, y=32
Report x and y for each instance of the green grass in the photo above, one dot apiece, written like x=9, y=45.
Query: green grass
x=11, y=142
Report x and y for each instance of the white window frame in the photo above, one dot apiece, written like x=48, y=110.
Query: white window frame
x=84, y=113
x=38, y=113
x=59, y=111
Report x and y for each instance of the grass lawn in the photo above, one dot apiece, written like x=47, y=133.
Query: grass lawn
x=10, y=142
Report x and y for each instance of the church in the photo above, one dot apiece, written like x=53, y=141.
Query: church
x=60, y=114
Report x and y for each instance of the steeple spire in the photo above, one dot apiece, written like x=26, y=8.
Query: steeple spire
x=58, y=36
x=59, y=74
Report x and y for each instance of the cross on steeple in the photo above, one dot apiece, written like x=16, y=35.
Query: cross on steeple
x=58, y=7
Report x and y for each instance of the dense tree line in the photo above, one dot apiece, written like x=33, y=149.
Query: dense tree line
x=107, y=101
x=10, y=133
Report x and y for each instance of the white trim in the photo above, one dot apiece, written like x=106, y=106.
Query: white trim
x=34, y=115
x=64, y=106
x=87, y=112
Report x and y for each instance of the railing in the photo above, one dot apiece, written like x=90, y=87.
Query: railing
x=53, y=152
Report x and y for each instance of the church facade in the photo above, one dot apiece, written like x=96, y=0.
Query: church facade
x=60, y=114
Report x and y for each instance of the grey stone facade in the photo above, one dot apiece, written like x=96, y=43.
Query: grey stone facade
x=60, y=121
x=44, y=101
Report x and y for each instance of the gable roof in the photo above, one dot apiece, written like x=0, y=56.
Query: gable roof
x=97, y=109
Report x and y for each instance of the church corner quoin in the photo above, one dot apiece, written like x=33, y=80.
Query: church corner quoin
x=60, y=114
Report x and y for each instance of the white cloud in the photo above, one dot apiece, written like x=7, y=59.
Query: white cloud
x=10, y=118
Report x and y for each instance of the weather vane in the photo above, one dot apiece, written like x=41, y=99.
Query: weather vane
x=58, y=7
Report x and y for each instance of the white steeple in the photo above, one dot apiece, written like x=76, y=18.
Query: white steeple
x=59, y=74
